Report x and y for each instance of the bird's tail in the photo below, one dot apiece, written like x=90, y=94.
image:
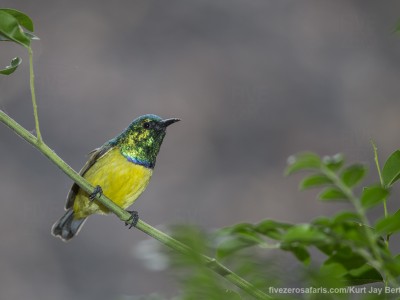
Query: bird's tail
x=67, y=227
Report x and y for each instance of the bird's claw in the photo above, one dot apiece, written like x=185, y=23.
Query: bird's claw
x=97, y=191
x=134, y=217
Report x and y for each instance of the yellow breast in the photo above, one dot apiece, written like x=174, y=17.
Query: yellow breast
x=122, y=181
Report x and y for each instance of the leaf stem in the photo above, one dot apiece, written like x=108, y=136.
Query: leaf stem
x=379, y=173
x=384, y=200
x=124, y=215
x=33, y=95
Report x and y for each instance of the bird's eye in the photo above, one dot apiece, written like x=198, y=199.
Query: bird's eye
x=146, y=125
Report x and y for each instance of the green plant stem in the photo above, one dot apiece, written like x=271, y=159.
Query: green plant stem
x=124, y=215
x=380, y=177
x=33, y=95
x=384, y=200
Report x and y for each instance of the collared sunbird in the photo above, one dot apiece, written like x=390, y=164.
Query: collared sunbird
x=121, y=169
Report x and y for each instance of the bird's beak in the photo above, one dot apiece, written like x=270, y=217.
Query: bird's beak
x=168, y=122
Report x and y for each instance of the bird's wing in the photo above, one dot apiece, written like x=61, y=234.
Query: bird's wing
x=94, y=156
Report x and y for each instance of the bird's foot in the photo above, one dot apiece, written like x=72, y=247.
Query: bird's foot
x=134, y=217
x=97, y=191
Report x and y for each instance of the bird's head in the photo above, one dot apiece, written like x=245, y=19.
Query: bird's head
x=141, y=141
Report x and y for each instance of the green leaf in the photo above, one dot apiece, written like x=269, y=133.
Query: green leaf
x=272, y=229
x=322, y=221
x=237, y=237
x=315, y=180
x=352, y=231
x=347, y=258
x=305, y=234
x=394, y=265
x=329, y=276
x=250, y=237
x=242, y=227
x=391, y=169
x=353, y=174
x=247, y=232
x=373, y=195
x=232, y=245
x=302, y=161
x=346, y=216
x=301, y=253
x=334, y=162
x=22, y=19
x=332, y=270
x=332, y=194
x=11, y=29
x=389, y=224
x=363, y=275
x=11, y=68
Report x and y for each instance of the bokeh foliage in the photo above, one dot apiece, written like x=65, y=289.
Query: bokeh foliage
x=356, y=252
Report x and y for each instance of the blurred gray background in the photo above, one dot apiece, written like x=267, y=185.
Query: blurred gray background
x=253, y=82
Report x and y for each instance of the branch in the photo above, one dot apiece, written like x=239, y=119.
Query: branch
x=124, y=215
x=33, y=95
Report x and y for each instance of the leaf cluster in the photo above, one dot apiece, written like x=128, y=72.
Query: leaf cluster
x=16, y=27
x=357, y=251
x=354, y=251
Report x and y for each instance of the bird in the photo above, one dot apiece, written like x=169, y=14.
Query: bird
x=120, y=169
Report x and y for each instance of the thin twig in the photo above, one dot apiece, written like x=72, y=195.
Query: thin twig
x=33, y=95
x=380, y=174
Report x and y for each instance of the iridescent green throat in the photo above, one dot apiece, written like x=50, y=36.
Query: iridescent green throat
x=140, y=145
